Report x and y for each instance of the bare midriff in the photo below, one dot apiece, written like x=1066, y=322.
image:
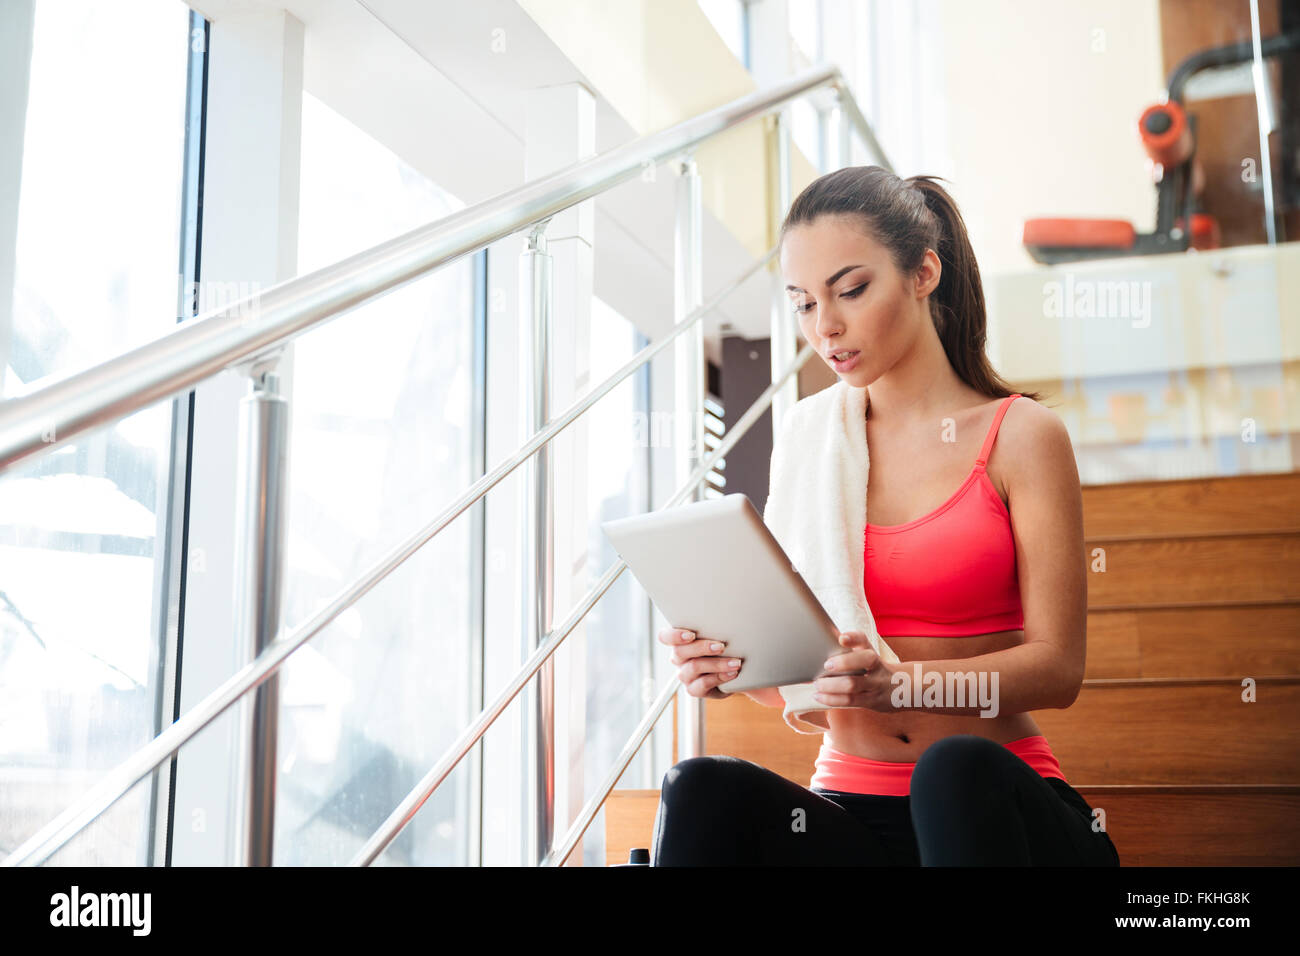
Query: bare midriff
x=903, y=736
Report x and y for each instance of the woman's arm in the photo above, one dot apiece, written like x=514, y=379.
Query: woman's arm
x=1011, y=681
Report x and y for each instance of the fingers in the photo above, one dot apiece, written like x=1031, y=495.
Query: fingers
x=700, y=668
x=842, y=691
x=686, y=645
x=697, y=650
x=707, y=672
x=854, y=639
x=859, y=660
x=672, y=636
x=705, y=685
x=844, y=684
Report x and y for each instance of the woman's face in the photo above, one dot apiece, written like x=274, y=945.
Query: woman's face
x=849, y=297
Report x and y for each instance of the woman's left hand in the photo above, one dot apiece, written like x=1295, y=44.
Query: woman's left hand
x=855, y=677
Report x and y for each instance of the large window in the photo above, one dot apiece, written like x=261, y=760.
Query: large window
x=805, y=20
x=619, y=689
x=83, y=588
x=382, y=431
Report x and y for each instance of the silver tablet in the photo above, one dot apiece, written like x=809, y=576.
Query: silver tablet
x=714, y=568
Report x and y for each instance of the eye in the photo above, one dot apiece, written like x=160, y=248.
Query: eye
x=854, y=293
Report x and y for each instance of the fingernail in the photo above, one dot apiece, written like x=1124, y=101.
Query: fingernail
x=688, y=635
x=829, y=665
x=715, y=647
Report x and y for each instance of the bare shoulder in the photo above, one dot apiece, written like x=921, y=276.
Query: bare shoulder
x=1033, y=447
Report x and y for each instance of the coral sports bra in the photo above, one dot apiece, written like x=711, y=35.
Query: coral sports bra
x=951, y=573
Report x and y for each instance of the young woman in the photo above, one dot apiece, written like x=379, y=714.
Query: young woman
x=974, y=562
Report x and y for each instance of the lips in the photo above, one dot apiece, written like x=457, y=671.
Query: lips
x=847, y=365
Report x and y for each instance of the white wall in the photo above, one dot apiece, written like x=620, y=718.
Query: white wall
x=1042, y=106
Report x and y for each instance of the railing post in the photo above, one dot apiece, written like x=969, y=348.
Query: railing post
x=537, y=523
x=690, y=386
x=784, y=339
x=1266, y=114
x=259, y=562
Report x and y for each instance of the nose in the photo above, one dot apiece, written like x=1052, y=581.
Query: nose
x=828, y=324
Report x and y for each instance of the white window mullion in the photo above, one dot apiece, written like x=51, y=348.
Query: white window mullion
x=250, y=237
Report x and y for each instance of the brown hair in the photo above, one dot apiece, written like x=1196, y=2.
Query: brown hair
x=908, y=216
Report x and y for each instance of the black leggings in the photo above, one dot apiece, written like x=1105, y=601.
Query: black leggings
x=972, y=802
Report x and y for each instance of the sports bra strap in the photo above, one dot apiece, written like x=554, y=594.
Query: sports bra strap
x=983, y=459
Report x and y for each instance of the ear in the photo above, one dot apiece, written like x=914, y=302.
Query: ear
x=928, y=275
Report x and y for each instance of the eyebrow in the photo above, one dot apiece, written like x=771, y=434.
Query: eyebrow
x=829, y=282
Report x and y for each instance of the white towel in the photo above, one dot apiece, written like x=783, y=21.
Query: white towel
x=817, y=511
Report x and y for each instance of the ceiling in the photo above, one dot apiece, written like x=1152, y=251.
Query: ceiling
x=441, y=84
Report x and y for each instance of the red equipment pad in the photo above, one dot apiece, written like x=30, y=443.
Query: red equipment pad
x=1079, y=233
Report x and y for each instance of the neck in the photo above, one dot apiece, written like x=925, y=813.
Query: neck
x=921, y=382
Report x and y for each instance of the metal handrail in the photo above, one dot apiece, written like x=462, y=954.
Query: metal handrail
x=566, y=846
x=421, y=792
x=53, y=414
x=118, y=781
x=259, y=324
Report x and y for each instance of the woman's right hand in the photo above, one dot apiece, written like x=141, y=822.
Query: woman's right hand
x=700, y=667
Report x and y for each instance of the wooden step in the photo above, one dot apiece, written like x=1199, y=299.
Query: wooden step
x=1116, y=732
x=1235, y=825
x=1201, y=589
x=1144, y=732
x=1232, y=825
x=1194, y=642
x=629, y=823
x=1193, y=572
x=1236, y=504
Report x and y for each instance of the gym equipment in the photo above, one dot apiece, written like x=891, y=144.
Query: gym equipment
x=1168, y=133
